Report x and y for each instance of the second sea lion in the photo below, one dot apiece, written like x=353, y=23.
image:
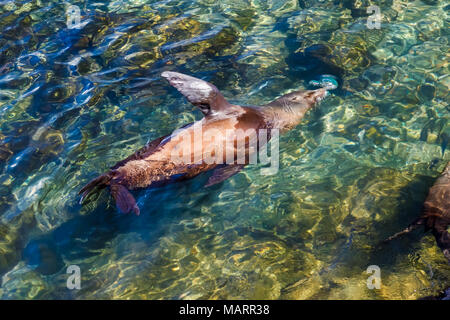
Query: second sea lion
x=436, y=213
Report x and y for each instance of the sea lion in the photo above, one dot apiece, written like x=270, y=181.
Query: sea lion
x=155, y=165
x=436, y=213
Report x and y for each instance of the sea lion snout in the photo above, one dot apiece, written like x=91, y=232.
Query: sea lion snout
x=315, y=96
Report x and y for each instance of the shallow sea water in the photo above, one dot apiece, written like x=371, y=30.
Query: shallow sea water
x=355, y=171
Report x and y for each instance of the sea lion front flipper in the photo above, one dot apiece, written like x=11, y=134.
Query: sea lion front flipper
x=124, y=199
x=200, y=93
x=223, y=173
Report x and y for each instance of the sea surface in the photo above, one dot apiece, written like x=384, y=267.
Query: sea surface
x=78, y=96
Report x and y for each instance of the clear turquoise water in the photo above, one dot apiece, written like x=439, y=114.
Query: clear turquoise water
x=73, y=102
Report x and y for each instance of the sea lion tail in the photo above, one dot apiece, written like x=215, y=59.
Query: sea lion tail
x=89, y=189
x=124, y=199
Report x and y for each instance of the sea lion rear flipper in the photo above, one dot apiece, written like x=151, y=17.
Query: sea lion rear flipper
x=223, y=173
x=414, y=225
x=124, y=199
x=89, y=189
x=200, y=93
x=442, y=237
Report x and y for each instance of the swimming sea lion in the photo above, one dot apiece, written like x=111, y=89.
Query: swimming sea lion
x=436, y=213
x=155, y=165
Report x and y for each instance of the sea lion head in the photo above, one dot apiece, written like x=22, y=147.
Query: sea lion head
x=287, y=111
x=300, y=99
x=305, y=97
